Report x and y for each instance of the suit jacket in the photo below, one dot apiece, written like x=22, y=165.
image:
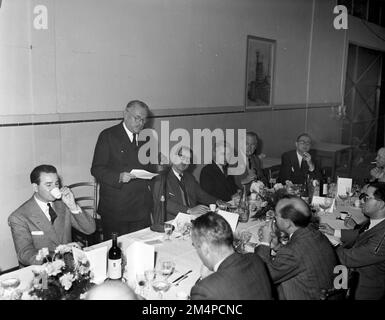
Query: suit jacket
x=367, y=257
x=303, y=267
x=239, y=277
x=32, y=231
x=290, y=169
x=114, y=153
x=256, y=169
x=175, y=195
x=214, y=182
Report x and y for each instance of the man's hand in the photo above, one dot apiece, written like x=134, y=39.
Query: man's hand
x=126, y=177
x=265, y=232
x=325, y=228
x=307, y=157
x=349, y=222
x=198, y=210
x=377, y=173
x=68, y=198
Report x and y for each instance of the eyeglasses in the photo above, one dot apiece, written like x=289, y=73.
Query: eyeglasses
x=137, y=118
x=308, y=143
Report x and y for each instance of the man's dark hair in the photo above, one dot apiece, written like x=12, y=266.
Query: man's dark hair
x=379, y=194
x=299, y=218
x=137, y=103
x=304, y=134
x=252, y=134
x=213, y=229
x=35, y=174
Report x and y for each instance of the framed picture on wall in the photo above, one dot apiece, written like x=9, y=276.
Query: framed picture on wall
x=259, y=72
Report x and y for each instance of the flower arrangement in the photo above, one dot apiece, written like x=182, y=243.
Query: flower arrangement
x=64, y=276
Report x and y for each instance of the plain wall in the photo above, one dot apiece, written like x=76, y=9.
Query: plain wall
x=182, y=57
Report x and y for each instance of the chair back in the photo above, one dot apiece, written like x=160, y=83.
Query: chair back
x=86, y=196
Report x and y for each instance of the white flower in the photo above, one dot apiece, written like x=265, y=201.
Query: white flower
x=83, y=296
x=257, y=186
x=278, y=186
x=288, y=183
x=264, y=204
x=66, y=280
x=62, y=249
x=42, y=254
x=54, y=267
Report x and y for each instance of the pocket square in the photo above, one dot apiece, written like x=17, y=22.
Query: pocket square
x=37, y=233
x=292, y=169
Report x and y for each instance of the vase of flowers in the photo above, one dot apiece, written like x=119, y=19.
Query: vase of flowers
x=62, y=276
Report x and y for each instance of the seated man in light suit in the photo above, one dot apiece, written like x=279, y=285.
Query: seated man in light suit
x=184, y=193
x=235, y=276
x=363, y=248
x=43, y=221
x=297, y=164
x=303, y=267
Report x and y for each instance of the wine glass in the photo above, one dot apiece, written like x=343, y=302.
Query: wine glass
x=160, y=285
x=326, y=204
x=245, y=238
x=343, y=197
x=141, y=281
x=149, y=276
x=167, y=268
x=168, y=228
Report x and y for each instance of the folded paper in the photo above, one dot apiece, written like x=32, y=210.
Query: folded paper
x=143, y=174
x=180, y=220
x=344, y=185
x=230, y=217
x=140, y=257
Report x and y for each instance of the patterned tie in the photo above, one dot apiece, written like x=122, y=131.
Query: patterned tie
x=183, y=187
x=51, y=212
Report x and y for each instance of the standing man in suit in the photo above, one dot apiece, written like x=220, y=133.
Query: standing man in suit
x=235, y=276
x=214, y=178
x=125, y=202
x=363, y=248
x=184, y=193
x=297, y=164
x=43, y=221
x=254, y=168
x=304, y=266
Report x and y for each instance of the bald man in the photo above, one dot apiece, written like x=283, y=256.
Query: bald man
x=111, y=290
x=304, y=266
x=378, y=172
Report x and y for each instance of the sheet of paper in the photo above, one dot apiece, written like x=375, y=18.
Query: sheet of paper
x=143, y=174
x=98, y=262
x=140, y=257
x=231, y=218
x=344, y=185
x=181, y=219
x=316, y=201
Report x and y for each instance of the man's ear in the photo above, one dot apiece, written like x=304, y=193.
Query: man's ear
x=34, y=187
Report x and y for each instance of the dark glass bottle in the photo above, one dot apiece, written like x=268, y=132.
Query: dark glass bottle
x=115, y=259
x=324, y=184
x=243, y=207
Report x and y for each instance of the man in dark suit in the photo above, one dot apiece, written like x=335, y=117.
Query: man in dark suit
x=303, y=267
x=254, y=169
x=214, y=178
x=297, y=164
x=363, y=248
x=184, y=193
x=43, y=221
x=235, y=276
x=125, y=202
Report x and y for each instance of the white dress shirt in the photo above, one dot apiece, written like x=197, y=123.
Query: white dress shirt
x=130, y=134
x=44, y=207
x=177, y=175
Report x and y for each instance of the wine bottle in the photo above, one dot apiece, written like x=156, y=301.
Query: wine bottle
x=115, y=259
x=324, y=184
x=243, y=207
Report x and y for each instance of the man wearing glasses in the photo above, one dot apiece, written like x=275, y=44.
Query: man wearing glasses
x=378, y=172
x=297, y=164
x=125, y=202
x=363, y=248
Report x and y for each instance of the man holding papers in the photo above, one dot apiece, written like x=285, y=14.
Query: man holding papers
x=125, y=201
x=235, y=276
x=364, y=246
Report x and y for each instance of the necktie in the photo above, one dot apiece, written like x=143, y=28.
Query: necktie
x=183, y=187
x=134, y=139
x=51, y=212
x=249, y=159
x=225, y=167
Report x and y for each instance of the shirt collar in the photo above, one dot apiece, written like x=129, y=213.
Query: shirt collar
x=44, y=207
x=129, y=133
x=216, y=267
x=299, y=157
x=374, y=222
x=178, y=175
x=219, y=166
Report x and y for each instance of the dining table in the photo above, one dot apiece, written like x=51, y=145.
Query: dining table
x=180, y=250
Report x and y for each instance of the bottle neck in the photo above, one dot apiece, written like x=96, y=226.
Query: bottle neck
x=114, y=239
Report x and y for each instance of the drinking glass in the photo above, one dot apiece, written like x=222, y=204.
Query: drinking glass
x=245, y=238
x=141, y=281
x=343, y=197
x=160, y=285
x=326, y=204
x=167, y=268
x=168, y=228
x=149, y=276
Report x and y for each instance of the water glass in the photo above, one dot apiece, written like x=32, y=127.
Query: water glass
x=141, y=283
x=168, y=228
x=149, y=275
x=167, y=268
x=160, y=285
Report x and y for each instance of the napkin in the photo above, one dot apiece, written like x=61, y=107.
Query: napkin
x=143, y=174
x=140, y=257
x=230, y=217
x=98, y=262
x=343, y=184
x=318, y=200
